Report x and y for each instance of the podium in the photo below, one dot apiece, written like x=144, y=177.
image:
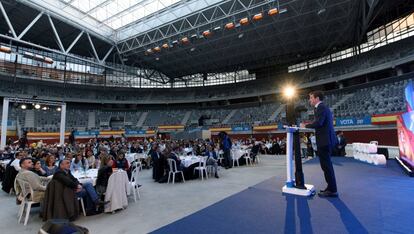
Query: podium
x=297, y=186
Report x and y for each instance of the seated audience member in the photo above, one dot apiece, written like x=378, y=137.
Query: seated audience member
x=212, y=159
x=11, y=171
x=60, y=154
x=174, y=155
x=86, y=190
x=79, y=163
x=69, y=156
x=37, y=168
x=50, y=165
x=104, y=172
x=121, y=162
x=5, y=155
x=91, y=158
x=16, y=162
x=36, y=182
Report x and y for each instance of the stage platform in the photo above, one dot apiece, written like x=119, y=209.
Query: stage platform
x=371, y=200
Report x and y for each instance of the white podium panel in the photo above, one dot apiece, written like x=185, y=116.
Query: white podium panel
x=289, y=187
x=309, y=191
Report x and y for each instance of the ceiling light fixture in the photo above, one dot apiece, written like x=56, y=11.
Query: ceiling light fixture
x=273, y=11
x=257, y=17
x=229, y=26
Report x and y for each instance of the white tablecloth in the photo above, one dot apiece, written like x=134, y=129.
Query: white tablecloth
x=187, y=161
x=238, y=153
x=133, y=156
x=88, y=176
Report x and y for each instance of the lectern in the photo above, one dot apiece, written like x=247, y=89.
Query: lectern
x=297, y=186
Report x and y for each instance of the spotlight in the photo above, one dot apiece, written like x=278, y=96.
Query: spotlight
x=44, y=108
x=58, y=109
x=5, y=49
x=229, y=26
x=206, y=33
x=37, y=106
x=24, y=107
x=244, y=21
x=185, y=40
x=273, y=11
x=257, y=17
x=289, y=92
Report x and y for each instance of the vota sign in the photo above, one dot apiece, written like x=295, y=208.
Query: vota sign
x=353, y=121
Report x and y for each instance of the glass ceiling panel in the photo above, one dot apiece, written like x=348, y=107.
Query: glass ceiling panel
x=118, y=13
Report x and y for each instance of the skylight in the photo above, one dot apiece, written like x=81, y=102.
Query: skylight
x=118, y=13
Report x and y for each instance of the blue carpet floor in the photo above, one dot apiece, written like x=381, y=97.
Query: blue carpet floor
x=371, y=200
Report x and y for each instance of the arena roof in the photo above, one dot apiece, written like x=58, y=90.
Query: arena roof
x=137, y=30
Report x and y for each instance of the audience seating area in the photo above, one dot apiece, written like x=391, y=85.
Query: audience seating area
x=379, y=98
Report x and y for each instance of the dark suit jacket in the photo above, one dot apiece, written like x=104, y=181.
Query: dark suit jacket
x=323, y=125
x=341, y=146
x=66, y=178
x=207, y=153
x=60, y=202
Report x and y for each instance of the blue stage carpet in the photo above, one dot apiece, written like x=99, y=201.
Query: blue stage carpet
x=371, y=200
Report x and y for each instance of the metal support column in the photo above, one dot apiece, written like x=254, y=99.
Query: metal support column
x=4, y=123
x=62, y=124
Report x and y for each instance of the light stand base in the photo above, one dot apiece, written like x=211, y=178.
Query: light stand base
x=309, y=191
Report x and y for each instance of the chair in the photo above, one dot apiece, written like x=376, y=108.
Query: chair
x=137, y=164
x=117, y=192
x=234, y=159
x=82, y=205
x=247, y=157
x=173, y=170
x=27, y=202
x=220, y=156
x=134, y=184
x=202, y=167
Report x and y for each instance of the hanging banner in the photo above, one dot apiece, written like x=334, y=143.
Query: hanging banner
x=241, y=129
x=135, y=132
x=353, y=121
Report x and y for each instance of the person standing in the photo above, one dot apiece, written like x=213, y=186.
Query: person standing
x=325, y=140
x=340, y=147
x=225, y=145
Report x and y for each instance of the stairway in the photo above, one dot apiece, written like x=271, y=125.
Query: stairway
x=229, y=116
x=91, y=120
x=142, y=119
x=277, y=112
x=186, y=118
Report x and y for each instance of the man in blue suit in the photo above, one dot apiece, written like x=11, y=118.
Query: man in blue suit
x=325, y=140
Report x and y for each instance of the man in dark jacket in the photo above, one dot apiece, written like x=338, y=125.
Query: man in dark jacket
x=325, y=140
x=157, y=163
x=340, y=147
x=225, y=145
x=64, y=176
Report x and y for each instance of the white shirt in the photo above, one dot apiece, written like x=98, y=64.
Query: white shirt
x=317, y=104
x=16, y=164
